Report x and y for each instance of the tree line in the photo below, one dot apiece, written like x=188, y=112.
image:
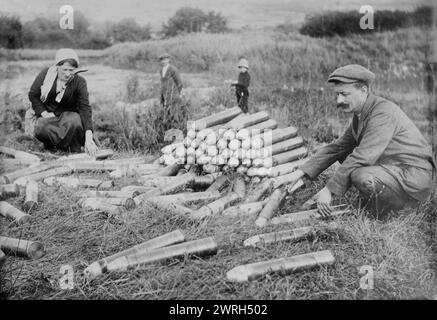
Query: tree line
x=343, y=23
x=46, y=33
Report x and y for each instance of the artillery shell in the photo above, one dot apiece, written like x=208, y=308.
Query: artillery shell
x=285, y=235
x=98, y=267
x=22, y=181
x=27, y=248
x=269, y=209
x=9, y=190
x=127, y=203
x=197, y=247
x=11, y=212
x=289, y=264
x=136, y=190
x=31, y=201
x=2, y=257
x=99, y=205
x=306, y=215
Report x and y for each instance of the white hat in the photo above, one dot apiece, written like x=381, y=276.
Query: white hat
x=66, y=53
x=243, y=63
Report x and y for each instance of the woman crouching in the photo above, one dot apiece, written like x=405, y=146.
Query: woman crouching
x=59, y=98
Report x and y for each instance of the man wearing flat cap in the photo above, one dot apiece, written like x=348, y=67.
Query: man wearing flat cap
x=171, y=89
x=382, y=153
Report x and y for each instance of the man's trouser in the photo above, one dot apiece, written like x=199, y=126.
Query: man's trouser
x=384, y=187
x=175, y=114
x=242, y=100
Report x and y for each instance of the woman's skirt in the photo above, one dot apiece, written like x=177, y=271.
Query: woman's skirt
x=64, y=132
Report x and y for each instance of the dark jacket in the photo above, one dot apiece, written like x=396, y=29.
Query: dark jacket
x=171, y=87
x=243, y=83
x=75, y=99
x=382, y=135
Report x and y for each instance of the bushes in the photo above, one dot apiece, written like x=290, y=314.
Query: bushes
x=95, y=42
x=45, y=33
x=188, y=20
x=11, y=33
x=128, y=30
x=345, y=23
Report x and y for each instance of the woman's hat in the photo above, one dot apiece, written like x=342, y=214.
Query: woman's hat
x=66, y=53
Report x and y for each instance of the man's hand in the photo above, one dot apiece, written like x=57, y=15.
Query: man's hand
x=46, y=114
x=90, y=147
x=296, y=176
x=323, y=200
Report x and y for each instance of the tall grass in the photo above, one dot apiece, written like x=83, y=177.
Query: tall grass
x=138, y=123
x=344, y=23
x=288, y=72
x=276, y=57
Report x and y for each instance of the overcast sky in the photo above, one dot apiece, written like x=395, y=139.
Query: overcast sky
x=156, y=12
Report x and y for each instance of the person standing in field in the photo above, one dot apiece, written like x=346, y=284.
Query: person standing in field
x=61, y=116
x=382, y=153
x=171, y=90
x=242, y=85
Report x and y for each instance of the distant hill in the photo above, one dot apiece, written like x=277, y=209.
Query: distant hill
x=240, y=13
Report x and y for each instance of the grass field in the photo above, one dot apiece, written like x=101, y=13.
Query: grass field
x=288, y=72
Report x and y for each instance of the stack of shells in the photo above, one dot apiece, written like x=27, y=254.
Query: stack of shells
x=222, y=150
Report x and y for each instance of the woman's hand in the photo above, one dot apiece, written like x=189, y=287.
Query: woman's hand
x=90, y=147
x=323, y=201
x=46, y=114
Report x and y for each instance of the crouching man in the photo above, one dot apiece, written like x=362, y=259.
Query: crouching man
x=382, y=153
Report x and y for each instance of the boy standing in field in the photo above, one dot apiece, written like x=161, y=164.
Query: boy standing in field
x=242, y=85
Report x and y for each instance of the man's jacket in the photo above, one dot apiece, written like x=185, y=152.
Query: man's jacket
x=171, y=87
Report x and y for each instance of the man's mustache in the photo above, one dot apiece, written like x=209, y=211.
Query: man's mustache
x=343, y=105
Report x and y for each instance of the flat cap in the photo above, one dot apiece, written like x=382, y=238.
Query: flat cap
x=164, y=56
x=352, y=73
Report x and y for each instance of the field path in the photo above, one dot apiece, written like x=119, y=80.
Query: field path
x=104, y=82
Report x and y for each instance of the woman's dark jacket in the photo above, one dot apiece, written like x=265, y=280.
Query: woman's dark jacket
x=75, y=99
